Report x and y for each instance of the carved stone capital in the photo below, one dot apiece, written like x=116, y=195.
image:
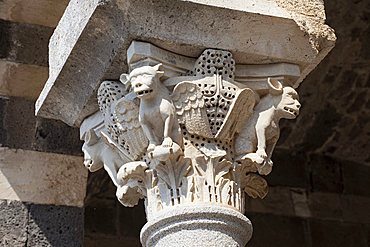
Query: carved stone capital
x=197, y=139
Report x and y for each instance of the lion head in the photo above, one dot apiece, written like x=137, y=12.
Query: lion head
x=144, y=80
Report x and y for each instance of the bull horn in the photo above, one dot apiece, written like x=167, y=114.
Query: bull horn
x=91, y=138
x=275, y=86
x=157, y=69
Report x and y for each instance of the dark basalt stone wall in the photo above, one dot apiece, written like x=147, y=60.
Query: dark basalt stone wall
x=29, y=224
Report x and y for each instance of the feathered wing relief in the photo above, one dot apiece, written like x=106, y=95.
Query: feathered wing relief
x=132, y=137
x=121, y=118
x=110, y=92
x=190, y=108
x=240, y=110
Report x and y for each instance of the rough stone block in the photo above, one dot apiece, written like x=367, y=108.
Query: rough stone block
x=18, y=123
x=131, y=220
x=19, y=128
x=55, y=226
x=356, y=208
x=326, y=174
x=299, y=198
x=272, y=230
x=277, y=201
x=99, y=186
x=21, y=80
x=290, y=169
x=112, y=25
x=13, y=223
x=325, y=206
x=20, y=41
x=27, y=225
x=101, y=217
x=336, y=233
x=42, y=177
x=41, y=12
x=356, y=178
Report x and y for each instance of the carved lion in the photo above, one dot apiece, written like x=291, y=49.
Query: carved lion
x=157, y=113
x=257, y=139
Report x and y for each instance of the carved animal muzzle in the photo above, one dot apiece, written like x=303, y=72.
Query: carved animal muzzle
x=142, y=90
x=294, y=111
x=90, y=162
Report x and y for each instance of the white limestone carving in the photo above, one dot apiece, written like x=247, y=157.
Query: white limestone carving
x=257, y=139
x=156, y=113
x=98, y=154
x=192, y=139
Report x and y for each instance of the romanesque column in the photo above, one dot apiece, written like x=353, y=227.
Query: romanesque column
x=180, y=102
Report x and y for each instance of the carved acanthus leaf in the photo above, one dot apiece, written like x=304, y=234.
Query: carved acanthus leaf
x=129, y=195
x=256, y=186
x=132, y=170
x=134, y=183
x=173, y=170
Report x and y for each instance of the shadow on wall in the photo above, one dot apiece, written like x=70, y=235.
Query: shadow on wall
x=107, y=221
x=38, y=168
x=28, y=224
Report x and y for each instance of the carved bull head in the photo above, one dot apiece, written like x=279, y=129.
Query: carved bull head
x=91, y=150
x=286, y=99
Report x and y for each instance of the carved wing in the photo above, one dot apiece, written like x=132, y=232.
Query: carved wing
x=190, y=108
x=131, y=135
x=110, y=92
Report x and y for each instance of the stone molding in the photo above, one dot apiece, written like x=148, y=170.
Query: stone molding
x=200, y=225
x=256, y=32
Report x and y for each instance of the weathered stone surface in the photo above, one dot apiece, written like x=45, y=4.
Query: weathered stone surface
x=106, y=220
x=290, y=169
x=27, y=225
x=326, y=174
x=117, y=241
x=112, y=40
x=40, y=12
x=299, y=199
x=131, y=220
x=203, y=225
x=20, y=41
x=356, y=209
x=19, y=128
x=13, y=223
x=101, y=217
x=277, y=201
x=356, y=178
x=272, y=230
x=21, y=80
x=55, y=226
x=42, y=178
x=325, y=206
x=335, y=113
x=334, y=233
